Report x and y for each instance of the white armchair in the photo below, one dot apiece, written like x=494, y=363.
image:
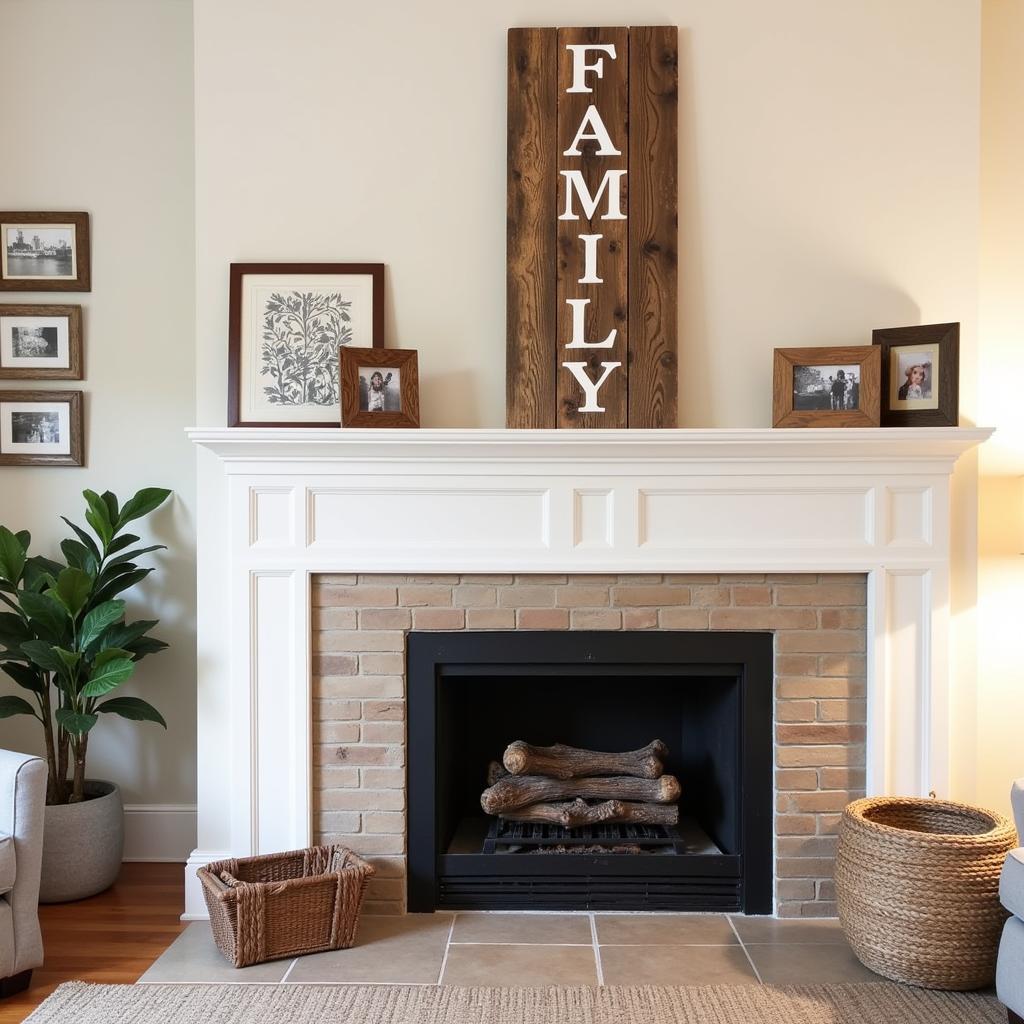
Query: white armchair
x=22, y=807
x=1010, y=966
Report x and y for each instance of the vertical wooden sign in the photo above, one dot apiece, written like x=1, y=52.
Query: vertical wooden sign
x=592, y=195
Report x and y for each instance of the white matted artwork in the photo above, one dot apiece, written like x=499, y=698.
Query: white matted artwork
x=40, y=428
x=34, y=342
x=913, y=376
x=290, y=326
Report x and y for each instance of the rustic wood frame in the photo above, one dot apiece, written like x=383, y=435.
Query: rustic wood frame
x=74, y=401
x=867, y=357
x=74, y=370
x=81, y=283
x=946, y=338
x=405, y=360
x=238, y=273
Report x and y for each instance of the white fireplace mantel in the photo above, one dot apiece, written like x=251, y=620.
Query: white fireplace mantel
x=278, y=505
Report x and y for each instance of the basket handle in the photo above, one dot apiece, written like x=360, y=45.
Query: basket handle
x=251, y=936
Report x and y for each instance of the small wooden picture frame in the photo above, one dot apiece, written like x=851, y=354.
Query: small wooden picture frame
x=44, y=252
x=920, y=375
x=379, y=388
x=827, y=387
x=40, y=342
x=41, y=428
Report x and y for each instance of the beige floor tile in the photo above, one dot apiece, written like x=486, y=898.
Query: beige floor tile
x=769, y=929
x=527, y=966
x=828, y=964
x=560, y=929
x=193, y=957
x=664, y=930
x=676, y=965
x=389, y=950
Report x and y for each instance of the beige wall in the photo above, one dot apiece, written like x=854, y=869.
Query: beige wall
x=97, y=115
x=1000, y=369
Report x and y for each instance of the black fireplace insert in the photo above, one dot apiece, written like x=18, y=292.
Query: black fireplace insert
x=708, y=696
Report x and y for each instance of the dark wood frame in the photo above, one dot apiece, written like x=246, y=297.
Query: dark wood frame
x=402, y=359
x=867, y=357
x=74, y=368
x=81, y=283
x=74, y=400
x=238, y=272
x=944, y=337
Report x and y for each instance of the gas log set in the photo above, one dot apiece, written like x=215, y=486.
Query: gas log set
x=573, y=788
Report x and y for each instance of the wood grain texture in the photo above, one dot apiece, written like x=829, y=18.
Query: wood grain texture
x=564, y=762
x=73, y=371
x=73, y=399
x=611, y=812
x=530, y=284
x=112, y=938
x=406, y=361
x=653, y=226
x=946, y=340
x=867, y=357
x=517, y=791
x=608, y=301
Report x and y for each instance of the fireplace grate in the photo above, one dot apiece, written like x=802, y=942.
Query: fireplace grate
x=533, y=837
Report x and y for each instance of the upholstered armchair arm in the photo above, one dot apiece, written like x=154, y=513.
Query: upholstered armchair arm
x=22, y=809
x=1017, y=802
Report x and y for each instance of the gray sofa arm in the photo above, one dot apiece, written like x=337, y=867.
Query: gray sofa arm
x=1017, y=802
x=22, y=810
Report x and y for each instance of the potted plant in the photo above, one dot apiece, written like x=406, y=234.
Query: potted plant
x=65, y=641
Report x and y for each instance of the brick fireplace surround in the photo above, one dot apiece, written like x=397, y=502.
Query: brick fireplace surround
x=359, y=627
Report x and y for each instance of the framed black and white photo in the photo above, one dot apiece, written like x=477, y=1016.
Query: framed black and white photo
x=826, y=387
x=40, y=428
x=44, y=252
x=40, y=342
x=380, y=388
x=920, y=375
x=287, y=323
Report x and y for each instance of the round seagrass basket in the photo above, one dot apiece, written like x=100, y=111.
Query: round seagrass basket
x=918, y=888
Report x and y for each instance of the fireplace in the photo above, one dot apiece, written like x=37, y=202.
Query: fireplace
x=708, y=696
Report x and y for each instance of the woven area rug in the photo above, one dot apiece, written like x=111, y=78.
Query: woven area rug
x=882, y=1003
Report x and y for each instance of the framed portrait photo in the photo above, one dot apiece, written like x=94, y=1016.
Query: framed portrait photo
x=40, y=428
x=379, y=388
x=920, y=375
x=40, y=342
x=42, y=252
x=826, y=387
x=287, y=323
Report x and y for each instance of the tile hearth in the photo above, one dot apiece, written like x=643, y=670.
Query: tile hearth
x=524, y=949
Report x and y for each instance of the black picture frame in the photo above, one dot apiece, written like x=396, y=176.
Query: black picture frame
x=945, y=340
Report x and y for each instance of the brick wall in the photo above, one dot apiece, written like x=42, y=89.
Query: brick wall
x=359, y=627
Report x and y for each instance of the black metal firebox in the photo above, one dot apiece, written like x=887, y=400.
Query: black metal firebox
x=707, y=695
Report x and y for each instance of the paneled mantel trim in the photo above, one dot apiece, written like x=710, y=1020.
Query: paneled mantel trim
x=277, y=506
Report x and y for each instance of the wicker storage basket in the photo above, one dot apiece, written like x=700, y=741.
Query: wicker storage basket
x=917, y=883
x=285, y=904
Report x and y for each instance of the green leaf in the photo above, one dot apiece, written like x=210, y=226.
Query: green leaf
x=120, y=584
x=25, y=537
x=125, y=633
x=48, y=617
x=79, y=556
x=129, y=555
x=145, y=645
x=110, y=500
x=109, y=655
x=25, y=676
x=107, y=676
x=126, y=540
x=97, y=620
x=12, y=556
x=70, y=658
x=74, y=723
x=84, y=538
x=134, y=708
x=44, y=655
x=98, y=516
x=40, y=573
x=73, y=589
x=15, y=706
x=144, y=502
x=13, y=631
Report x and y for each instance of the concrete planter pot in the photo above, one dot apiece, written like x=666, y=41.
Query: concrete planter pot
x=82, y=845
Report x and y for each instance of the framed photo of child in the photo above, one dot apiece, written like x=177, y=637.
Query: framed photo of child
x=379, y=388
x=920, y=375
x=826, y=387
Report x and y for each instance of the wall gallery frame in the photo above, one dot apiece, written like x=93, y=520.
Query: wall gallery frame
x=920, y=375
x=379, y=388
x=827, y=387
x=42, y=252
x=286, y=324
x=41, y=428
x=40, y=342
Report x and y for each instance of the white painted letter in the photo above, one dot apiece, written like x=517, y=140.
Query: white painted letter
x=580, y=67
x=579, y=310
x=590, y=260
x=590, y=389
x=574, y=183
x=598, y=132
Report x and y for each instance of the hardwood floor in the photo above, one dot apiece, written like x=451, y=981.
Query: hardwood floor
x=109, y=938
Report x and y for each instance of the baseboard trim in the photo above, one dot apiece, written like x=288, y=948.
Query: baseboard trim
x=159, y=832
x=195, y=903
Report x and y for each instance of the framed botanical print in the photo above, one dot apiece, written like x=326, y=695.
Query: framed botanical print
x=287, y=323
x=40, y=342
x=380, y=388
x=40, y=428
x=920, y=375
x=42, y=252
x=826, y=387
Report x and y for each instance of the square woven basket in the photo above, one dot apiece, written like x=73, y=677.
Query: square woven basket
x=285, y=904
